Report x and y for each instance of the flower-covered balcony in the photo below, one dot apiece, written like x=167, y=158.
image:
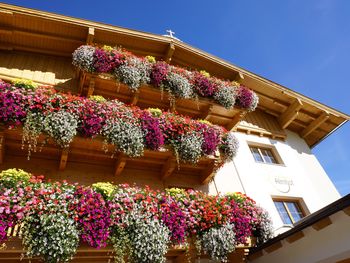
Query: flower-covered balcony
x=58, y=222
x=143, y=81
x=49, y=125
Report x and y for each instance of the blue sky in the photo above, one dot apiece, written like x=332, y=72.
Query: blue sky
x=304, y=45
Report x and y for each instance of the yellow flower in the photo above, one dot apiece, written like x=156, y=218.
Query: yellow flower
x=205, y=74
x=205, y=122
x=106, y=189
x=97, y=98
x=151, y=59
x=155, y=112
x=25, y=83
x=107, y=48
x=235, y=84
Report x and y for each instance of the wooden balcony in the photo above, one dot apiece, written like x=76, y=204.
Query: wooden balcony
x=161, y=164
x=13, y=252
x=148, y=96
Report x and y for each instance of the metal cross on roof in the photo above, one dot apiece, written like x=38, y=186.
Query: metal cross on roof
x=170, y=32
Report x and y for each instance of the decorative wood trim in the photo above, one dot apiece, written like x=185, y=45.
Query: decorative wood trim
x=90, y=35
x=295, y=237
x=170, y=53
x=168, y=168
x=209, y=173
x=232, y=125
x=64, y=159
x=290, y=114
x=322, y=223
x=135, y=97
x=315, y=124
x=91, y=87
x=206, y=114
x=120, y=164
x=273, y=247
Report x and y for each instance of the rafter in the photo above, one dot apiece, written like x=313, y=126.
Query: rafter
x=90, y=35
x=322, y=223
x=120, y=164
x=168, y=168
x=232, y=125
x=290, y=113
x=209, y=172
x=315, y=124
x=135, y=97
x=91, y=87
x=206, y=114
x=64, y=159
x=170, y=52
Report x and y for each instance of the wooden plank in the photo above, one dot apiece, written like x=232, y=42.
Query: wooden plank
x=168, y=168
x=91, y=87
x=295, y=237
x=273, y=247
x=315, y=124
x=208, y=173
x=322, y=224
x=347, y=211
x=64, y=159
x=170, y=52
x=120, y=164
x=90, y=35
x=206, y=114
x=290, y=113
x=256, y=255
x=135, y=97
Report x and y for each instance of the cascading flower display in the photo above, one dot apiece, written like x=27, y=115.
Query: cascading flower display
x=55, y=216
x=129, y=129
x=179, y=82
x=92, y=215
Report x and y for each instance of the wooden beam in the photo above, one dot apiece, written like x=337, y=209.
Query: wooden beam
x=295, y=237
x=273, y=247
x=322, y=224
x=347, y=210
x=206, y=114
x=82, y=77
x=120, y=164
x=315, y=124
x=232, y=125
x=26, y=33
x=2, y=146
x=239, y=76
x=209, y=172
x=168, y=168
x=91, y=87
x=64, y=158
x=170, y=52
x=135, y=97
x=256, y=255
x=90, y=36
x=290, y=113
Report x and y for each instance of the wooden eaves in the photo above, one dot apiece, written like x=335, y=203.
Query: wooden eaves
x=29, y=30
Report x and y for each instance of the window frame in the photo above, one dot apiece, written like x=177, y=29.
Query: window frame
x=271, y=149
x=297, y=202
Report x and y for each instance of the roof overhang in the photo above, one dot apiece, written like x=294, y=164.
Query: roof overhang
x=31, y=30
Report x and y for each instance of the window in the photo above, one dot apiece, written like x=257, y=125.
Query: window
x=290, y=211
x=263, y=155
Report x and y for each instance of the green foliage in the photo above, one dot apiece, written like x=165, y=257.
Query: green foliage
x=10, y=177
x=105, y=189
x=25, y=84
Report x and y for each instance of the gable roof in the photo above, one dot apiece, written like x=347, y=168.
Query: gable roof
x=30, y=30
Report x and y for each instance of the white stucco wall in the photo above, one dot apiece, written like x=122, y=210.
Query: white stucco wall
x=310, y=182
